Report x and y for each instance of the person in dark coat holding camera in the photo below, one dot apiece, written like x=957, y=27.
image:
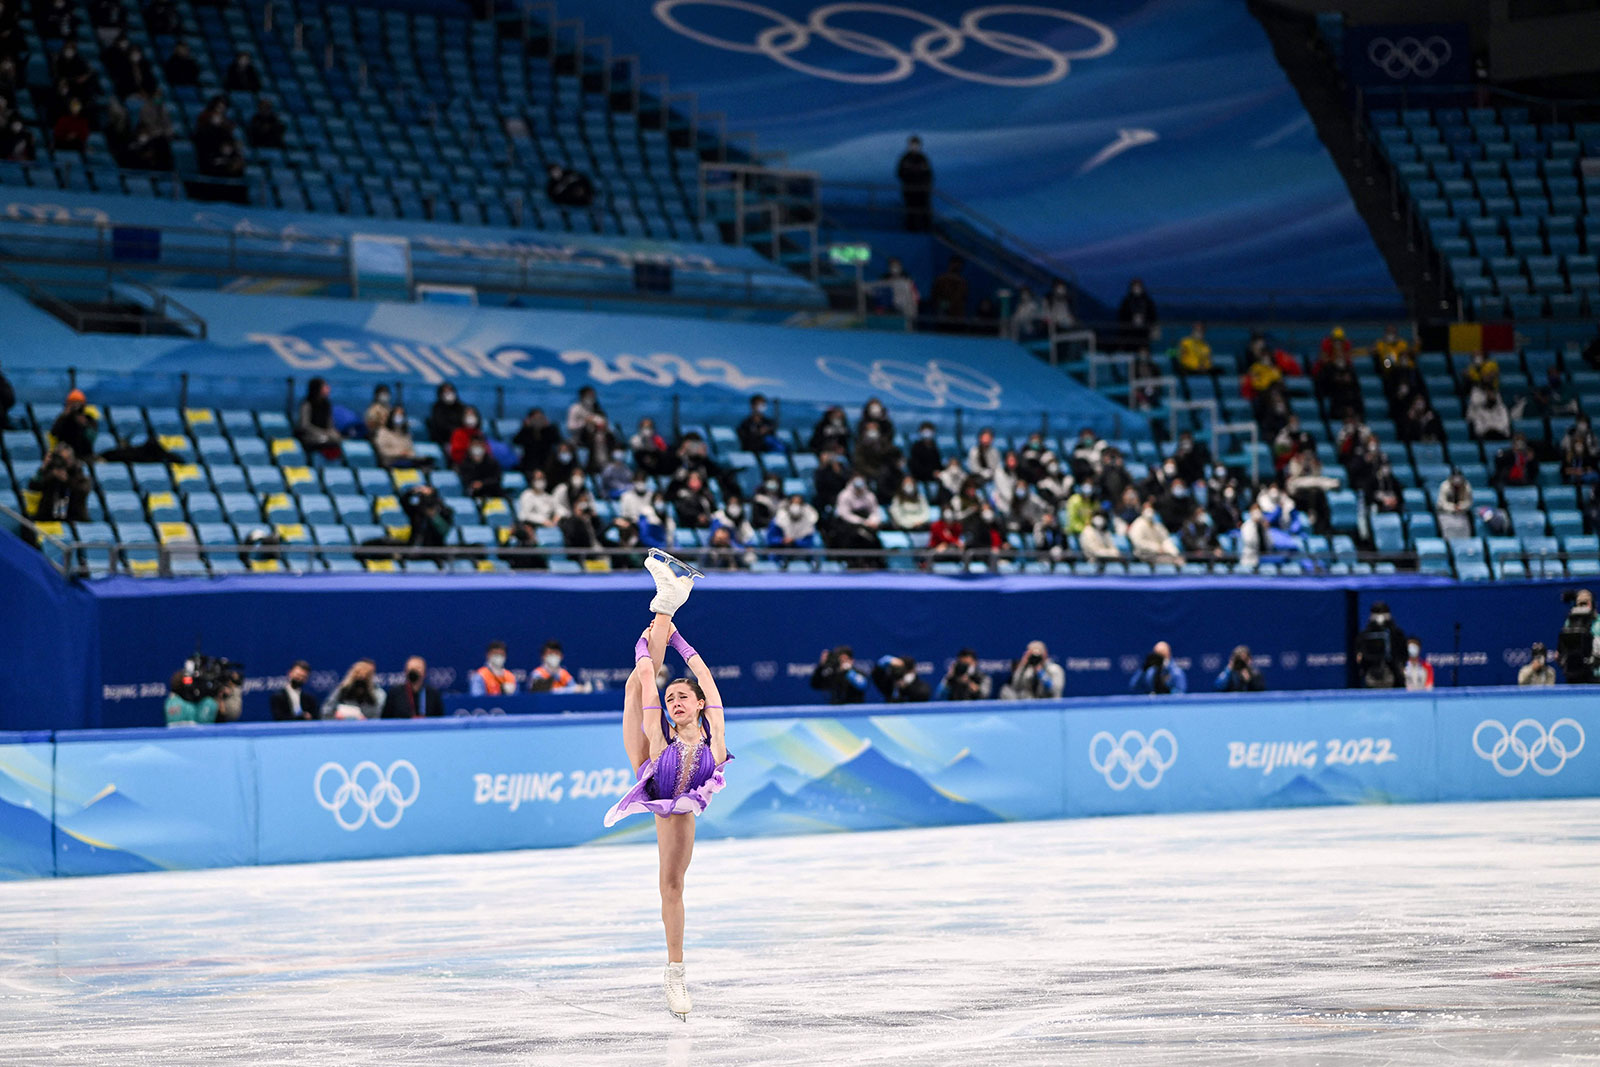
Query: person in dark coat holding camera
x=1381, y=650
x=1240, y=676
x=964, y=681
x=1160, y=675
x=63, y=486
x=896, y=678
x=836, y=675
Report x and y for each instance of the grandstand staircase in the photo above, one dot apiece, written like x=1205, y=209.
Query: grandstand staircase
x=106, y=304
x=1314, y=73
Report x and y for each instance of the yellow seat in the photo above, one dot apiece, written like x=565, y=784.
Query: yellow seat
x=265, y=566
x=30, y=500
x=293, y=533
x=281, y=445
x=484, y=564
x=298, y=475
x=52, y=529
x=385, y=505
x=144, y=568
x=598, y=566
x=279, y=502
x=170, y=532
x=380, y=564
x=183, y=473
x=174, y=442
x=398, y=533
x=495, y=506
x=405, y=476
x=161, y=499
x=199, y=416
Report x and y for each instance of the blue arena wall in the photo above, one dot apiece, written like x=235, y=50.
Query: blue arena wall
x=97, y=802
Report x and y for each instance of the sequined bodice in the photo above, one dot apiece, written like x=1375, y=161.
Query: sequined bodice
x=678, y=769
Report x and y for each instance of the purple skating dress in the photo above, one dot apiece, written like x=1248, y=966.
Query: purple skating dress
x=679, y=780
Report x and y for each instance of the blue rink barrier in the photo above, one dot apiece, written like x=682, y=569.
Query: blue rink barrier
x=95, y=802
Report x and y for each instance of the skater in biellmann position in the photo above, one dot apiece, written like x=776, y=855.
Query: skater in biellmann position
x=677, y=757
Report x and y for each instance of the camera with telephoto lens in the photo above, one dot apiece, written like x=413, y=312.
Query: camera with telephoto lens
x=1575, y=645
x=207, y=676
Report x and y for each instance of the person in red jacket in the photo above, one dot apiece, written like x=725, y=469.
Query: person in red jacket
x=461, y=438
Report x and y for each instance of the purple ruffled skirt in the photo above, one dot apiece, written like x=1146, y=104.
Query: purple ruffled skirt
x=657, y=780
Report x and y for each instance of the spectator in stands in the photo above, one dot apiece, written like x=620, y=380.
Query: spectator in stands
x=77, y=425
x=181, y=67
x=161, y=17
x=1453, y=506
x=1223, y=502
x=617, y=476
x=622, y=535
x=17, y=143
x=1380, y=650
x=896, y=678
x=1419, y=422
x=758, y=432
x=392, y=443
x=1096, y=541
x=1150, y=538
x=70, y=66
x=1277, y=507
x=63, y=485
x=1198, y=537
x=1516, y=464
x=1138, y=316
x=1537, y=671
x=1487, y=415
x=856, y=520
x=767, y=500
x=1114, y=479
x=1160, y=674
x=55, y=20
x=358, y=695
x=242, y=75
x=873, y=413
x=650, y=452
x=1240, y=675
x=722, y=553
x=964, y=680
x=378, y=410
x=1336, y=378
x=535, y=439
x=1194, y=352
x=480, y=472
x=151, y=146
x=836, y=675
x=430, y=517
x=1035, y=676
x=829, y=480
x=492, y=679
x=1554, y=397
x=266, y=128
x=1255, y=537
x=291, y=701
x=568, y=492
x=1580, y=453
x=902, y=295
x=114, y=60
x=1029, y=318
x=580, y=528
x=945, y=535
x=983, y=458
x=924, y=460
x=1286, y=442
x=598, y=442
x=1308, y=486
x=313, y=423
x=1336, y=346
x=692, y=502
x=832, y=432
x=581, y=412
x=909, y=509
x=1417, y=672
x=1396, y=360
x=635, y=499
x=71, y=131
x=1049, y=539
x=137, y=75
x=446, y=414
x=1192, y=458
x=470, y=432
x=915, y=174
x=415, y=698
x=794, y=526
x=213, y=129
x=185, y=705
x=567, y=187
x=562, y=464
x=1482, y=370
x=877, y=458
x=949, y=292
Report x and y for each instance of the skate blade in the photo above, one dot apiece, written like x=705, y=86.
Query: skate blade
x=682, y=1017
x=680, y=568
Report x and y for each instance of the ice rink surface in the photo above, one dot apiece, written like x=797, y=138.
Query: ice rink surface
x=1444, y=934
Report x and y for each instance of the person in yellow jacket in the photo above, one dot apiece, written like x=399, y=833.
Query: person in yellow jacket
x=1194, y=352
x=492, y=679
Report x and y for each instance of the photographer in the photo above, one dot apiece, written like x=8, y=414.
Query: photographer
x=430, y=517
x=1239, y=676
x=186, y=704
x=1035, y=676
x=358, y=696
x=1159, y=675
x=1381, y=650
x=1578, y=648
x=964, y=681
x=837, y=676
x=896, y=678
x=1537, y=671
x=63, y=486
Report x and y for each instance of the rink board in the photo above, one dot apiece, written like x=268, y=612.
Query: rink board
x=95, y=802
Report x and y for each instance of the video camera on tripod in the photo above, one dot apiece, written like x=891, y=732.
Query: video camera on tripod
x=1576, y=649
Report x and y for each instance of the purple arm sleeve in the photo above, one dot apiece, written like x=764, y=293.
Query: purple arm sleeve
x=682, y=647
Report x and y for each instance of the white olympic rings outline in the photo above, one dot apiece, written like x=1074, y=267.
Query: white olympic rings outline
x=933, y=47
x=1527, y=751
x=1132, y=765
x=367, y=800
x=930, y=384
x=1408, y=55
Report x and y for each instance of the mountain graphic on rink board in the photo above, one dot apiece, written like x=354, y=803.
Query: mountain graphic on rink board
x=1329, y=787
x=868, y=790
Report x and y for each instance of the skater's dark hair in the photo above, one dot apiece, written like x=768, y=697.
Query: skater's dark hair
x=666, y=720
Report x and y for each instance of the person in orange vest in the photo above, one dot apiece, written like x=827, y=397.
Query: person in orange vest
x=492, y=679
x=550, y=676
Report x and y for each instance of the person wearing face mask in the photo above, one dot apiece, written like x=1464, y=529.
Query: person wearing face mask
x=875, y=454
x=492, y=679
x=392, y=443
x=983, y=458
x=650, y=452
x=831, y=433
x=291, y=701
x=1151, y=541
x=692, y=503
x=480, y=472
x=462, y=437
x=550, y=676
x=314, y=424
x=1138, y=316
x=1381, y=650
x=734, y=517
x=909, y=509
x=563, y=461
x=445, y=415
x=599, y=441
x=765, y=503
x=536, y=438
x=1418, y=672
x=617, y=476
x=377, y=412
x=1096, y=541
x=1537, y=671
x=874, y=413
x=636, y=499
x=1197, y=537
x=414, y=698
x=759, y=431
x=856, y=521
x=896, y=678
x=794, y=525
x=924, y=460
x=582, y=412
x=358, y=696
x=537, y=506
x=1035, y=676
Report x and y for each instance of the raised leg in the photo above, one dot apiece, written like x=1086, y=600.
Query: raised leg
x=640, y=697
x=675, y=842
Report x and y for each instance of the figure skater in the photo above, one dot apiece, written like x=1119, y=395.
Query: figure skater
x=677, y=757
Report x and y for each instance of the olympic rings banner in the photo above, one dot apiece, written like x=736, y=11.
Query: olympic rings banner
x=219, y=796
x=1158, y=138
x=1431, y=53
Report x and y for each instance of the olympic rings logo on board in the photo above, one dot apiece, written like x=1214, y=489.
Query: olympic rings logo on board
x=1528, y=744
x=934, y=47
x=1408, y=55
x=934, y=384
x=367, y=792
x=1133, y=757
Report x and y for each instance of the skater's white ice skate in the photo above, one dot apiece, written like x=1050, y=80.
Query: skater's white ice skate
x=672, y=589
x=677, y=987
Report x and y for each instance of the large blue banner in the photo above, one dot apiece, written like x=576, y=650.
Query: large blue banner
x=203, y=797
x=1158, y=138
